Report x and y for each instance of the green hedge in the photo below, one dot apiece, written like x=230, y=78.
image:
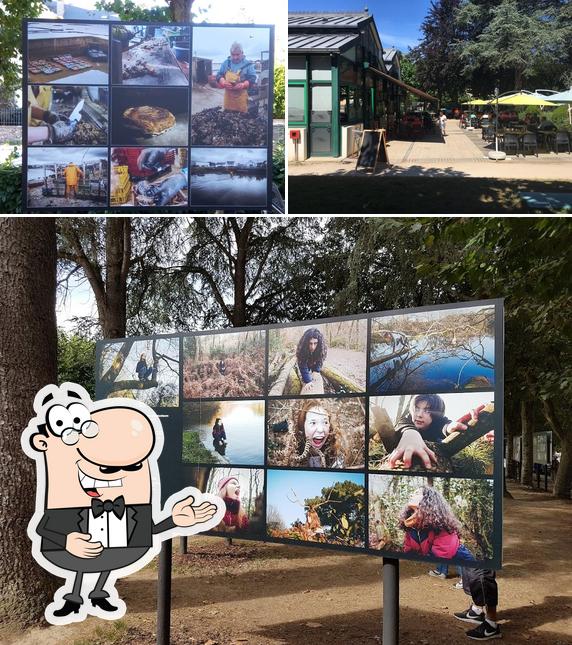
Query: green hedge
x=10, y=189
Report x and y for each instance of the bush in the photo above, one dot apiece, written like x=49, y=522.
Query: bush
x=278, y=171
x=560, y=118
x=279, y=92
x=76, y=360
x=10, y=186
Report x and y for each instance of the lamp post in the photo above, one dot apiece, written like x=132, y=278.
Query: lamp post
x=496, y=154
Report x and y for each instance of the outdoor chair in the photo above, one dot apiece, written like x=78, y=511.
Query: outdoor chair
x=511, y=143
x=562, y=139
x=488, y=133
x=529, y=142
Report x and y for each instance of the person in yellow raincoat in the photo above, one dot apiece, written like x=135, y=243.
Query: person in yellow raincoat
x=236, y=76
x=72, y=175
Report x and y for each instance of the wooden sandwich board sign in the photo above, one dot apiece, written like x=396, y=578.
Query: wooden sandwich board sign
x=373, y=148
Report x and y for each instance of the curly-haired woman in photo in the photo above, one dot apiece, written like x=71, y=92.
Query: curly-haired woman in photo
x=315, y=437
x=310, y=356
x=431, y=527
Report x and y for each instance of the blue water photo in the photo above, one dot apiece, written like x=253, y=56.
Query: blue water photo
x=443, y=352
x=242, y=441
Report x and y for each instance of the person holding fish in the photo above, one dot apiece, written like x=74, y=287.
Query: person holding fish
x=236, y=76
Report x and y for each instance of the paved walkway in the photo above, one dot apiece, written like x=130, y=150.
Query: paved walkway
x=460, y=153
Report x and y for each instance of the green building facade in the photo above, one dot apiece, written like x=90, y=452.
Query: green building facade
x=340, y=81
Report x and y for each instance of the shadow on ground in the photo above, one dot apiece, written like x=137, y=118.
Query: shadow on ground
x=366, y=626
x=431, y=190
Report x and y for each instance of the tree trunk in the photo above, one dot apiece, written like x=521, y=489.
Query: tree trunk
x=242, y=238
x=180, y=10
x=113, y=318
x=27, y=362
x=526, y=456
x=518, y=78
x=563, y=481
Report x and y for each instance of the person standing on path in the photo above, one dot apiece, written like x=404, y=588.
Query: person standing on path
x=443, y=123
x=481, y=586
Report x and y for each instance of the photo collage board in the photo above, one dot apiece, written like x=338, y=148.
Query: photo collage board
x=379, y=433
x=147, y=115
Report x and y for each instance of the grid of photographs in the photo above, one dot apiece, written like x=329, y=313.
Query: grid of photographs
x=380, y=432
x=135, y=115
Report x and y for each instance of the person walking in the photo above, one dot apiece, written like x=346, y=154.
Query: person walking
x=443, y=123
x=481, y=585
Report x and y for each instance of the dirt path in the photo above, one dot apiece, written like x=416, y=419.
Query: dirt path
x=258, y=593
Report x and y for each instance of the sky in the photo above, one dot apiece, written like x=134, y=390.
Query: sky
x=398, y=23
x=237, y=155
x=263, y=12
x=214, y=42
x=70, y=153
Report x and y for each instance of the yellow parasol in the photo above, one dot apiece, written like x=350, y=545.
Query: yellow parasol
x=523, y=99
x=477, y=102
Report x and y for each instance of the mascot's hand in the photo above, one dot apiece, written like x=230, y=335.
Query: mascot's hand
x=79, y=544
x=185, y=514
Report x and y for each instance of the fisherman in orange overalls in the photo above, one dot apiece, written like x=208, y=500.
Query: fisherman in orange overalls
x=72, y=174
x=236, y=75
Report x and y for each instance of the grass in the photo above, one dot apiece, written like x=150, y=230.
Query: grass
x=399, y=195
x=193, y=450
x=106, y=635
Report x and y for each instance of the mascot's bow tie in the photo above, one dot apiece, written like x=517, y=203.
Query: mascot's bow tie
x=117, y=506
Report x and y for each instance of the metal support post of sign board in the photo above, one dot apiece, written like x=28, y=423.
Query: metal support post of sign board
x=164, y=594
x=390, y=635
x=183, y=544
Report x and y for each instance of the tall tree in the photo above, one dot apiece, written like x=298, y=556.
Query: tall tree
x=27, y=363
x=437, y=63
x=175, y=11
x=526, y=261
x=246, y=271
x=379, y=257
x=101, y=248
x=12, y=12
x=512, y=42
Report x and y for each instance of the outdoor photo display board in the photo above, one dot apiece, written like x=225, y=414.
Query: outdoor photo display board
x=379, y=433
x=147, y=115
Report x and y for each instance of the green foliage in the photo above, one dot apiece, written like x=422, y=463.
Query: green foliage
x=194, y=452
x=437, y=65
x=278, y=166
x=76, y=360
x=471, y=502
x=175, y=11
x=475, y=459
x=473, y=45
x=514, y=41
x=129, y=10
x=10, y=185
x=409, y=70
x=279, y=92
x=12, y=12
x=560, y=118
x=343, y=512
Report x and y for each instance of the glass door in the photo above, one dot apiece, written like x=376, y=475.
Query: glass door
x=321, y=120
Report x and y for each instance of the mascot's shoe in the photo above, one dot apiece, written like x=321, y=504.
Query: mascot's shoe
x=68, y=608
x=103, y=603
